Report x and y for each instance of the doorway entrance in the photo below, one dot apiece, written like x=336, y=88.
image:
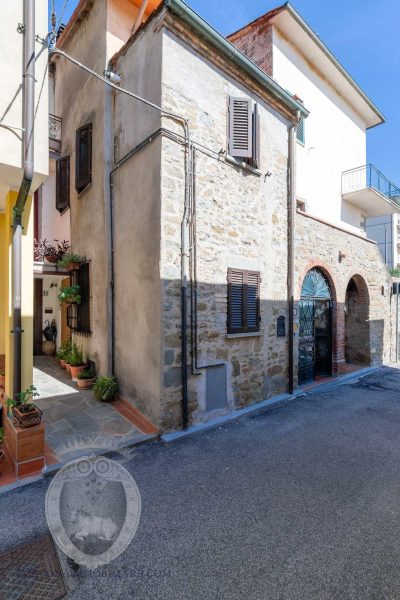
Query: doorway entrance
x=315, y=327
x=357, y=338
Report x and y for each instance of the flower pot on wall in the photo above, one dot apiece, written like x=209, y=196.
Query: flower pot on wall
x=51, y=259
x=74, y=266
x=49, y=348
x=28, y=418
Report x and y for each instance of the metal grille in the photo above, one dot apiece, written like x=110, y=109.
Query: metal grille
x=78, y=315
x=32, y=572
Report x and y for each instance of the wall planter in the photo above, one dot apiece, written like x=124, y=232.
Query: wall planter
x=24, y=411
x=70, y=295
x=51, y=259
x=70, y=261
x=27, y=417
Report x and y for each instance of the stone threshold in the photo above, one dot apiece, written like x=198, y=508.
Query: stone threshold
x=274, y=402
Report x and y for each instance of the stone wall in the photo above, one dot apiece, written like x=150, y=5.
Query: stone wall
x=343, y=256
x=241, y=222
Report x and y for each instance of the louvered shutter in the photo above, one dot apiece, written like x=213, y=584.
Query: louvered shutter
x=300, y=133
x=243, y=301
x=252, y=300
x=83, y=157
x=62, y=184
x=256, y=137
x=240, y=139
x=235, y=301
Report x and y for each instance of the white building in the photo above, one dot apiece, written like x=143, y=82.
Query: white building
x=334, y=182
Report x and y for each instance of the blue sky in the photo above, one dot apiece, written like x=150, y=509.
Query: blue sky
x=363, y=35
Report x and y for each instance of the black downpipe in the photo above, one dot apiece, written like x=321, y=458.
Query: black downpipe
x=28, y=154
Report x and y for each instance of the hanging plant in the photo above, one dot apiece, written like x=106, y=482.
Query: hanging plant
x=70, y=295
x=70, y=261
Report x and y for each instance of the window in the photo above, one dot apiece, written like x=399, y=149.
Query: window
x=62, y=184
x=300, y=133
x=83, y=157
x=78, y=315
x=244, y=130
x=243, y=301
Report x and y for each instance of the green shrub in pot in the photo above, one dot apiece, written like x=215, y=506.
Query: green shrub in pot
x=75, y=356
x=106, y=388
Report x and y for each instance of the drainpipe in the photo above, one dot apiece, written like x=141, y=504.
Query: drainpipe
x=291, y=219
x=28, y=153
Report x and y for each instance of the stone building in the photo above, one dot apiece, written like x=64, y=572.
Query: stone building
x=183, y=206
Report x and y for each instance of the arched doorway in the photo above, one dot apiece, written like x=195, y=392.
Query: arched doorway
x=357, y=338
x=315, y=327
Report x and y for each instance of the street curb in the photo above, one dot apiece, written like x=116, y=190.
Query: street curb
x=169, y=438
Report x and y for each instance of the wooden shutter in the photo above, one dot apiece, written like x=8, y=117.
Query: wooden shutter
x=83, y=316
x=83, y=157
x=62, y=184
x=256, y=137
x=240, y=138
x=243, y=301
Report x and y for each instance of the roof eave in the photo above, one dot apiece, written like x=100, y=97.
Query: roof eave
x=188, y=15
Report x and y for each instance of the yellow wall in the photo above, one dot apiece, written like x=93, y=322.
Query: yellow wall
x=6, y=342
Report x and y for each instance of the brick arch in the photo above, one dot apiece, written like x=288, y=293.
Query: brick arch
x=357, y=322
x=324, y=268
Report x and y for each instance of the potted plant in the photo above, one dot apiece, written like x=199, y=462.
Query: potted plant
x=106, y=388
x=25, y=412
x=2, y=378
x=77, y=364
x=86, y=379
x=1, y=442
x=63, y=352
x=70, y=295
x=49, y=252
x=70, y=261
x=52, y=253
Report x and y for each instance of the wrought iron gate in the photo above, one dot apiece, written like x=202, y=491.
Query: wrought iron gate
x=315, y=327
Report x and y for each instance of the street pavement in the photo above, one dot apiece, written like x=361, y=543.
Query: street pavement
x=301, y=501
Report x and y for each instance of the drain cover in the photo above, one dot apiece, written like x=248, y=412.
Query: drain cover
x=32, y=572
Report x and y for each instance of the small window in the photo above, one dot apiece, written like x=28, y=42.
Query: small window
x=62, y=184
x=83, y=157
x=244, y=131
x=300, y=133
x=78, y=315
x=243, y=301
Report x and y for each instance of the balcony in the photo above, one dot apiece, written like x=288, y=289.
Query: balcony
x=369, y=190
x=55, y=133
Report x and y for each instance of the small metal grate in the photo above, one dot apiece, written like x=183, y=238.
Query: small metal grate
x=32, y=572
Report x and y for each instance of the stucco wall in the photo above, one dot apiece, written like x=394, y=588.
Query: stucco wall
x=11, y=53
x=52, y=224
x=335, y=139
x=241, y=222
x=79, y=99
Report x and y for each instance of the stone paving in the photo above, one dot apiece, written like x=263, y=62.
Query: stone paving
x=75, y=421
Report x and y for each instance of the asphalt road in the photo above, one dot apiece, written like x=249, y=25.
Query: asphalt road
x=299, y=502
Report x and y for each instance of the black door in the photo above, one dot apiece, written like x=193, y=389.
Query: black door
x=315, y=328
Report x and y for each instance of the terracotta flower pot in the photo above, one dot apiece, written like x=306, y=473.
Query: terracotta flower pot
x=68, y=367
x=62, y=363
x=76, y=370
x=85, y=384
x=74, y=266
x=27, y=419
x=51, y=259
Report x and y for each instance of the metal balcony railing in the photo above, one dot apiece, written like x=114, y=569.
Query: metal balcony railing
x=369, y=177
x=55, y=124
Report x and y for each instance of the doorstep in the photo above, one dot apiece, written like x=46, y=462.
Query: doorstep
x=274, y=402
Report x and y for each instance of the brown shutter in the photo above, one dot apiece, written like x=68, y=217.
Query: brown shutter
x=243, y=301
x=62, y=184
x=83, y=157
x=256, y=137
x=240, y=138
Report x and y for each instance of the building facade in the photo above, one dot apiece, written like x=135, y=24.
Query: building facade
x=181, y=209
x=11, y=173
